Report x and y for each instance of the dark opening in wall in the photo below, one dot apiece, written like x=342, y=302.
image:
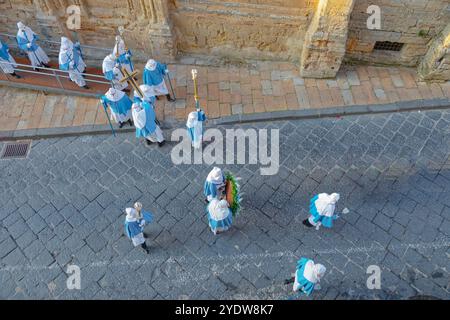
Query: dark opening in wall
x=387, y=45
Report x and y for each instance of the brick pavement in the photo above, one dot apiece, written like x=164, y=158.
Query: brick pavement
x=63, y=205
x=252, y=88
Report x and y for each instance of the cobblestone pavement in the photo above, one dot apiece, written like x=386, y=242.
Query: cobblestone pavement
x=64, y=205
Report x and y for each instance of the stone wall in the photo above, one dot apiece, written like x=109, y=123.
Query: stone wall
x=256, y=29
x=291, y=30
x=436, y=63
x=324, y=45
x=148, y=29
x=412, y=22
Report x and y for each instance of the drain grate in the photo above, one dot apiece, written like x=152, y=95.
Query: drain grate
x=16, y=150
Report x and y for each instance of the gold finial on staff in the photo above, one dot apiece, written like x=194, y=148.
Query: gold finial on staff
x=121, y=30
x=194, y=77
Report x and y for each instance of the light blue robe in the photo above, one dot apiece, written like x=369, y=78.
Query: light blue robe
x=219, y=225
x=123, y=60
x=133, y=228
x=326, y=221
x=4, y=54
x=210, y=189
x=121, y=107
x=23, y=41
x=76, y=55
x=306, y=286
x=155, y=77
x=196, y=134
x=150, y=124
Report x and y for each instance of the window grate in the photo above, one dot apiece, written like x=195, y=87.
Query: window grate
x=388, y=46
x=16, y=150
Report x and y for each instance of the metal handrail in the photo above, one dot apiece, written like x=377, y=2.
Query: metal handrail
x=53, y=70
x=52, y=42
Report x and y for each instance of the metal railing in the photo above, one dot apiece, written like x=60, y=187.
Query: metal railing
x=52, y=46
x=57, y=74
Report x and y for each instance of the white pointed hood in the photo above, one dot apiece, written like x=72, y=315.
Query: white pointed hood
x=326, y=204
x=22, y=27
x=215, y=176
x=114, y=94
x=314, y=272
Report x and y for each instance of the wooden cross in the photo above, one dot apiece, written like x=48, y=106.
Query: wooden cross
x=129, y=77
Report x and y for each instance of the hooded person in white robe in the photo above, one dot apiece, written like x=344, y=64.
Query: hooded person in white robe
x=119, y=104
x=111, y=71
x=145, y=122
x=70, y=60
x=322, y=208
x=135, y=221
x=307, y=276
x=213, y=184
x=148, y=92
x=26, y=39
x=153, y=76
x=194, y=125
x=7, y=62
x=122, y=54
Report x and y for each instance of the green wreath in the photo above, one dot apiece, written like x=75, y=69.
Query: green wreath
x=235, y=194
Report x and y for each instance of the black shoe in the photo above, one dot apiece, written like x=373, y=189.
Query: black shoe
x=145, y=235
x=206, y=200
x=160, y=144
x=130, y=123
x=157, y=98
x=120, y=124
x=148, y=142
x=46, y=65
x=169, y=98
x=86, y=87
x=288, y=281
x=16, y=75
x=307, y=223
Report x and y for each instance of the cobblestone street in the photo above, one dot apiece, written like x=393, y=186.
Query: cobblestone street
x=64, y=205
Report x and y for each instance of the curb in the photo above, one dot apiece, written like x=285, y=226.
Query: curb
x=402, y=106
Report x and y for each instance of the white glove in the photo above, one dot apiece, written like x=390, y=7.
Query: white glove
x=128, y=56
x=28, y=45
x=166, y=71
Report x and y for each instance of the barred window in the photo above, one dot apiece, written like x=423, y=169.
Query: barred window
x=387, y=45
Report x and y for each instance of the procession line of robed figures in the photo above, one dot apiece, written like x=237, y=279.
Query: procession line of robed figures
x=221, y=190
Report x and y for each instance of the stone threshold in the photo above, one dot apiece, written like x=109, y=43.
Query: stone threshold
x=169, y=126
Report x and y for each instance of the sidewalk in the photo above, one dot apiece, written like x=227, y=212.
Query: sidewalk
x=258, y=88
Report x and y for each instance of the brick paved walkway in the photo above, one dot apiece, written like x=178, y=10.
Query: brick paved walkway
x=64, y=205
x=223, y=91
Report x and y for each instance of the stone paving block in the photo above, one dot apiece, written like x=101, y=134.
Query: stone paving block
x=36, y=223
x=7, y=246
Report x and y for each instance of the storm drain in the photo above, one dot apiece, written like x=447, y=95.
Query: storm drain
x=16, y=150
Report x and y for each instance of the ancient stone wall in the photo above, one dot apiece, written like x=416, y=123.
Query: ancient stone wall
x=147, y=25
x=412, y=22
x=436, y=63
x=257, y=29
x=245, y=29
x=324, y=45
